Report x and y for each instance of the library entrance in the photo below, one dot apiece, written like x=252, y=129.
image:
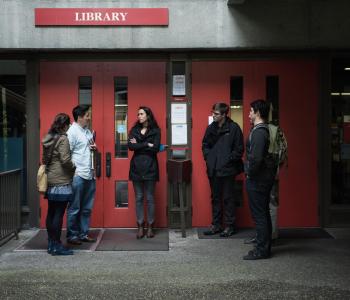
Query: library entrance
x=114, y=91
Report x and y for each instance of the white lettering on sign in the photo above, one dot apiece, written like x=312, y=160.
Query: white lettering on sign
x=100, y=17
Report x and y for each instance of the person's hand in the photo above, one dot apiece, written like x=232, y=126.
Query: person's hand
x=133, y=141
x=93, y=147
x=150, y=145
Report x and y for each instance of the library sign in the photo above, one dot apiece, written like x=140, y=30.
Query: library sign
x=101, y=17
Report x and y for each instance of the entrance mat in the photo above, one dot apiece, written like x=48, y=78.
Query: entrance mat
x=125, y=240
x=242, y=233
x=39, y=241
x=283, y=233
x=303, y=233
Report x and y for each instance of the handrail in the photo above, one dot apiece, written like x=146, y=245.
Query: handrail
x=10, y=204
x=9, y=172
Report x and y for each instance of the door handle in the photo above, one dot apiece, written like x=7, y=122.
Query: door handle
x=98, y=164
x=108, y=164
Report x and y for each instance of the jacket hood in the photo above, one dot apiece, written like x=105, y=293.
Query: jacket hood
x=48, y=140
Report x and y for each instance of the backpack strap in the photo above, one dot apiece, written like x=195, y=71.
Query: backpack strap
x=261, y=125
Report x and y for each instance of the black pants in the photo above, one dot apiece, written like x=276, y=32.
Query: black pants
x=54, y=219
x=259, y=199
x=222, y=200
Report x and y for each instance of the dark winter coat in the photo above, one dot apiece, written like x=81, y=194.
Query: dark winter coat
x=259, y=165
x=223, y=149
x=144, y=163
x=60, y=169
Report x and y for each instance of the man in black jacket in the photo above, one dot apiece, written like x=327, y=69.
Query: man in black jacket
x=222, y=148
x=260, y=170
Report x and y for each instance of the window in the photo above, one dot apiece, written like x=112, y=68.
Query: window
x=121, y=194
x=340, y=130
x=120, y=116
x=236, y=99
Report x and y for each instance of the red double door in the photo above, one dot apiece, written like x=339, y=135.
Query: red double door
x=297, y=92
x=117, y=90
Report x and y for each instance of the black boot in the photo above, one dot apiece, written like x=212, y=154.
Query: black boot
x=59, y=249
x=49, y=245
x=140, y=232
x=150, y=233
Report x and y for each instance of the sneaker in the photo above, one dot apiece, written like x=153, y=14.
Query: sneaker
x=228, y=231
x=212, y=230
x=88, y=239
x=251, y=240
x=254, y=255
x=74, y=241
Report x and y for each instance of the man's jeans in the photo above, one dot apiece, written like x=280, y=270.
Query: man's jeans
x=259, y=199
x=79, y=210
x=222, y=193
x=141, y=188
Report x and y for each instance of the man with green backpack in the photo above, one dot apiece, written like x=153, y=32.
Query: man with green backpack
x=264, y=153
x=278, y=149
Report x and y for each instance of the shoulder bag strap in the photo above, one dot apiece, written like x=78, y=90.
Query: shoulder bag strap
x=51, y=150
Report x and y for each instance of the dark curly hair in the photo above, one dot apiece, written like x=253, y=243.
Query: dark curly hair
x=60, y=122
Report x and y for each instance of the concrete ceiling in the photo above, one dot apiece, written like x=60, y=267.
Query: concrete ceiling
x=232, y=2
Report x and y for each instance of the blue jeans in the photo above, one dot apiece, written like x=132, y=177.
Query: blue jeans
x=141, y=188
x=259, y=199
x=79, y=210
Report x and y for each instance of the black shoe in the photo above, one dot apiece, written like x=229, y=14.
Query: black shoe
x=251, y=240
x=74, y=241
x=212, y=230
x=228, y=231
x=254, y=255
x=88, y=239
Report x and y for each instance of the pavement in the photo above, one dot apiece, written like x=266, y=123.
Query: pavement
x=192, y=269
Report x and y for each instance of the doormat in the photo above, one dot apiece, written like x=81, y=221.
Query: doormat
x=303, y=233
x=242, y=233
x=39, y=241
x=125, y=240
x=283, y=233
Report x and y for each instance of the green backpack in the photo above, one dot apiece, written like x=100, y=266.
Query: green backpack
x=278, y=145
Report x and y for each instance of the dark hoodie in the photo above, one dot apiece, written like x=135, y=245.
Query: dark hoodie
x=60, y=169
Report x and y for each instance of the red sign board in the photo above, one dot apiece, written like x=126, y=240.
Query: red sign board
x=101, y=16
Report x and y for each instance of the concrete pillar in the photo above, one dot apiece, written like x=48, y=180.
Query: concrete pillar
x=33, y=140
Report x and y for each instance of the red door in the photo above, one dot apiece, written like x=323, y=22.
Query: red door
x=298, y=91
x=145, y=85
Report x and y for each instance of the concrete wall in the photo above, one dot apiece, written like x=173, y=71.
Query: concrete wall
x=194, y=24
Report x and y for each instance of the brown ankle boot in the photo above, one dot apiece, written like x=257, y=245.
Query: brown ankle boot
x=150, y=233
x=140, y=233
